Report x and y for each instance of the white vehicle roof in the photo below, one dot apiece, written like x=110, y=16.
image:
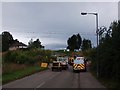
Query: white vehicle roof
x=62, y=58
x=56, y=61
x=79, y=60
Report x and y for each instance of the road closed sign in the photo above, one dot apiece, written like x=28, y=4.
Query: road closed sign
x=44, y=64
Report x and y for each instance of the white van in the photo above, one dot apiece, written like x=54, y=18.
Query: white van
x=79, y=64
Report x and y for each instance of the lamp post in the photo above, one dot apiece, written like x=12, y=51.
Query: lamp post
x=97, y=33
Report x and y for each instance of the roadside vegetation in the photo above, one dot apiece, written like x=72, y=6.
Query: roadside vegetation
x=107, y=55
x=17, y=74
x=19, y=63
x=27, y=56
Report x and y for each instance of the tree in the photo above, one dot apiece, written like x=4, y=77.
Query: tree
x=109, y=54
x=116, y=48
x=30, y=44
x=79, y=41
x=74, y=42
x=7, y=39
x=86, y=44
x=35, y=44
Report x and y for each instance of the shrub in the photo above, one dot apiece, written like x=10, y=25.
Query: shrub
x=27, y=57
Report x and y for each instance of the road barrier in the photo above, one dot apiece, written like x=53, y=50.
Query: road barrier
x=44, y=64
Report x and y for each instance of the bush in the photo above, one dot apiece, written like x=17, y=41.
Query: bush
x=10, y=57
x=27, y=57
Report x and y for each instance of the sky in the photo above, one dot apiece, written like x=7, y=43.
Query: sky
x=119, y=10
x=54, y=22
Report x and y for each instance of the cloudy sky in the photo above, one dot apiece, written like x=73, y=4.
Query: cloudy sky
x=54, y=22
x=119, y=10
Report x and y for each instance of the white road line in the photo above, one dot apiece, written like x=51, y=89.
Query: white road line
x=40, y=85
x=53, y=76
x=46, y=80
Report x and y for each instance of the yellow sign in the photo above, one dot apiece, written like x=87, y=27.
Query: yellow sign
x=44, y=64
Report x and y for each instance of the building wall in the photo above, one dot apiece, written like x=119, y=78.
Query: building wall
x=22, y=46
x=17, y=47
x=13, y=48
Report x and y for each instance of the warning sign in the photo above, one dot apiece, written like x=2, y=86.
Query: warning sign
x=44, y=64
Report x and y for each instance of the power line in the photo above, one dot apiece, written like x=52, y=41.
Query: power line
x=53, y=33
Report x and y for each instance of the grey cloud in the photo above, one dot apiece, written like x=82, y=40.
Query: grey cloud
x=56, y=46
x=119, y=10
x=55, y=21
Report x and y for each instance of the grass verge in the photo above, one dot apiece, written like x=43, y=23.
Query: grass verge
x=11, y=76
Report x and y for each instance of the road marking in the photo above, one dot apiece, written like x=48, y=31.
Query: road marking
x=46, y=80
x=53, y=76
x=40, y=85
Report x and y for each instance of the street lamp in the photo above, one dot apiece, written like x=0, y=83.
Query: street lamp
x=97, y=32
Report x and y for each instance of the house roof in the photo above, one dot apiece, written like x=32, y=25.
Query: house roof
x=17, y=43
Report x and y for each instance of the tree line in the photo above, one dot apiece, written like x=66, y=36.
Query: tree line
x=107, y=54
x=30, y=56
x=75, y=42
x=7, y=40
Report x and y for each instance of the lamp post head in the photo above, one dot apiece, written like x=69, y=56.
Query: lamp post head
x=83, y=13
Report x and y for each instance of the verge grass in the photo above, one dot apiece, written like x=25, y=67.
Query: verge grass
x=14, y=75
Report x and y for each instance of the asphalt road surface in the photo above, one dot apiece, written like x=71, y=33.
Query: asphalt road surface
x=56, y=79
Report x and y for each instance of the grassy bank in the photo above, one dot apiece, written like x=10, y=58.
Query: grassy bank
x=20, y=63
x=14, y=75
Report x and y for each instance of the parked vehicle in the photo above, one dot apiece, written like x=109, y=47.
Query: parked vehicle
x=79, y=64
x=56, y=65
x=63, y=61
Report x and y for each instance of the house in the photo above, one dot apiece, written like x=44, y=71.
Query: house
x=17, y=45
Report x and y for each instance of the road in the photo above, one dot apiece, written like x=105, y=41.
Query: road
x=56, y=79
